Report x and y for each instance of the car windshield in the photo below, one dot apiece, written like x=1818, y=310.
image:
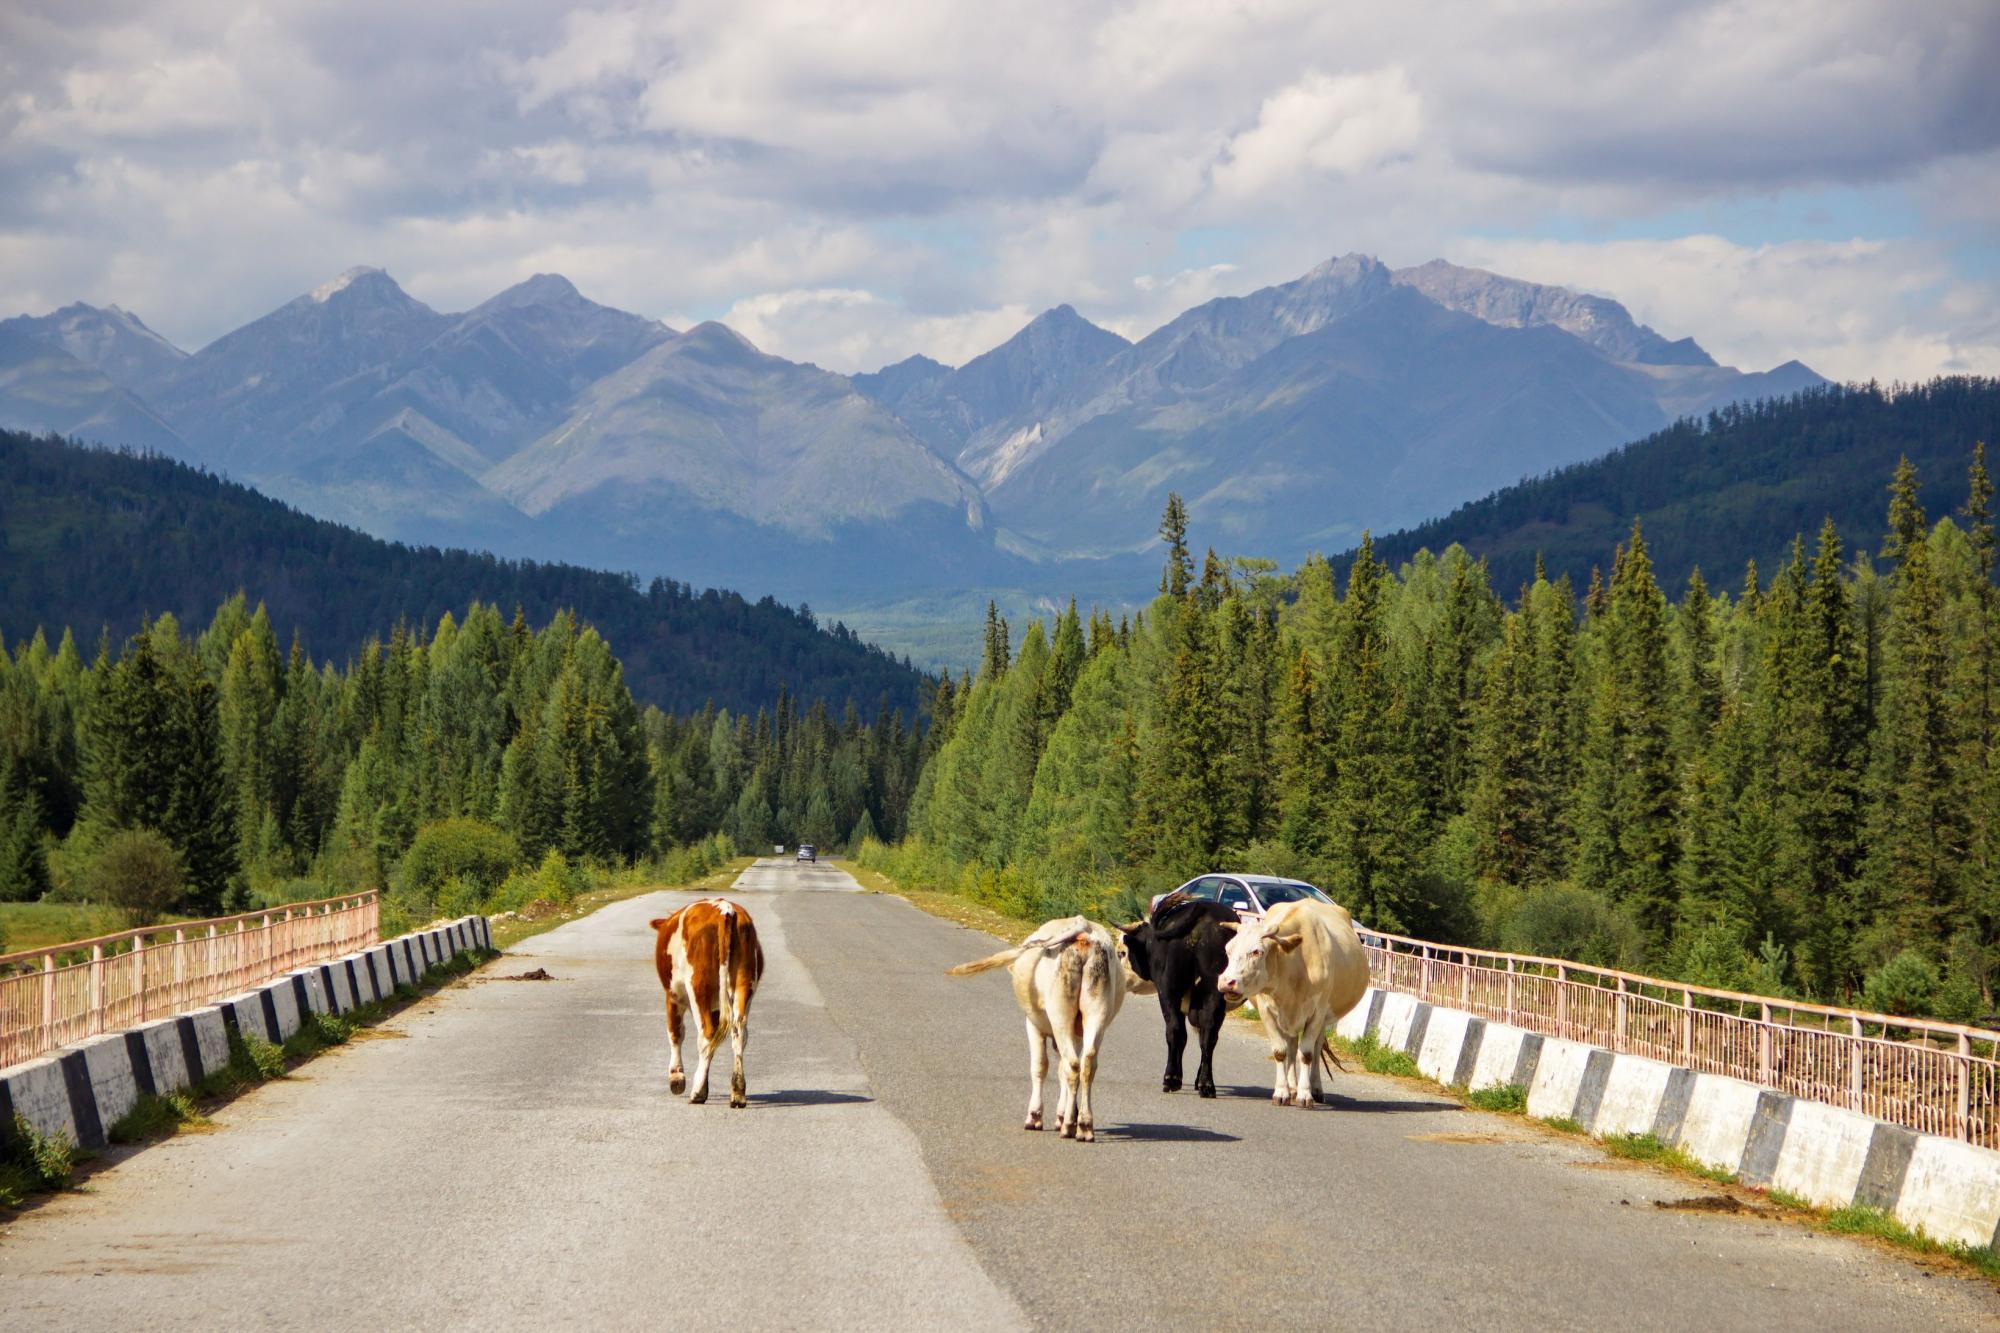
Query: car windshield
x=1273, y=894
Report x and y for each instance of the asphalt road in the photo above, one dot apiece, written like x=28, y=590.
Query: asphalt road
x=508, y=1156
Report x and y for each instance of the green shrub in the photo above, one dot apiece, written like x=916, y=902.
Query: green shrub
x=138, y=872
x=459, y=896
x=1570, y=922
x=42, y=1161
x=1906, y=984
x=556, y=881
x=470, y=850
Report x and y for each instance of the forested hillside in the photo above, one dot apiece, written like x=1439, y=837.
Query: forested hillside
x=91, y=539
x=1784, y=781
x=1728, y=487
x=476, y=763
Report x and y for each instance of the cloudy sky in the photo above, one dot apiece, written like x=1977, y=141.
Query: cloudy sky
x=850, y=183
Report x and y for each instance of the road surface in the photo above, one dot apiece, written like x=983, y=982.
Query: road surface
x=507, y=1155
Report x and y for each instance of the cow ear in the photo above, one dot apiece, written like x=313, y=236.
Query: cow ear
x=1287, y=943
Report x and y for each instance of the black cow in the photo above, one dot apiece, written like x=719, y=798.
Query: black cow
x=1182, y=951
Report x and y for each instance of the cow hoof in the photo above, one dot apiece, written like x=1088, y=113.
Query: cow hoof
x=1069, y=1131
x=1034, y=1124
x=1206, y=1090
x=698, y=1098
x=1086, y=1134
x=1170, y=1084
x=1307, y=1103
x=677, y=1084
x=737, y=1101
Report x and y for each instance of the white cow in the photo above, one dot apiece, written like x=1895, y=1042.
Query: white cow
x=1070, y=976
x=1304, y=967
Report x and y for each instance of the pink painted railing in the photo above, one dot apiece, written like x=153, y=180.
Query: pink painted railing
x=1939, y=1078
x=52, y=997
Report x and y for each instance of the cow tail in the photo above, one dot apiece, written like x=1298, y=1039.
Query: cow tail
x=1327, y=1054
x=987, y=964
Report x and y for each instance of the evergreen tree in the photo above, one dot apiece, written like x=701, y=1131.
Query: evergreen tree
x=1179, y=571
x=1372, y=815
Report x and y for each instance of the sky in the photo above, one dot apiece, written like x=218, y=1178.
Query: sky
x=853, y=183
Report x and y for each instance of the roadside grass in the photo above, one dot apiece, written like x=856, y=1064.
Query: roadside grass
x=1511, y=1099
x=950, y=907
x=33, y=1163
x=1501, y=1097
x=27, y=926
x=1646, y=1148
x=1377, y=1058
x=511, y=930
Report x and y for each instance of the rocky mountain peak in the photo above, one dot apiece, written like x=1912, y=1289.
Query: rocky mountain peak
x=1515, y=304
x=542, y=289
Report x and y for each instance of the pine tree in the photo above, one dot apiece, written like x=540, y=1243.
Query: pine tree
x=1304, y=751
x=1179, y=571
x=1906, y=514
x=1819, y=758
x=994, y=657
x=1373, y=813
x=1700, y=701
x=1917, y=839
x=1502, y=801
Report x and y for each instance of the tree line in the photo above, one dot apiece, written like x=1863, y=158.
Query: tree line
x=1787, y=788
x=94, y=537
x=435, y=764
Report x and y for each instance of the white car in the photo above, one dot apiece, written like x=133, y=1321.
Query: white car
x=1250, y=895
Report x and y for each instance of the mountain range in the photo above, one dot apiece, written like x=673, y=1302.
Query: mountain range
x=543, y=424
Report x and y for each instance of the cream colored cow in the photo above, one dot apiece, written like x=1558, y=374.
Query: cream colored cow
x=1303, y=966
x=1070, y=976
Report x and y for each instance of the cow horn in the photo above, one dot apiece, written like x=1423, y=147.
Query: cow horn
x=1229, y=925
x=1127, y=930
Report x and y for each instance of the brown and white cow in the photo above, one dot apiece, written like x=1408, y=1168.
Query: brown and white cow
x=709, y=962
x=1070, y=976
x=1303, y=966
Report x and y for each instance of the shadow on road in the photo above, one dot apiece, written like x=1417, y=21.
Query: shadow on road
x=805, y=1097
x=1335, y=1102
x=1165, y=1134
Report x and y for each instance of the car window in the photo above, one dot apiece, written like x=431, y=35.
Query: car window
x=1273, y=894
x=1206, y=887
x=1236, y=896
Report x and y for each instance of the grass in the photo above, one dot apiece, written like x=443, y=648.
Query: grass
x=32, y=1162
x=155, y=1116
x=1505, y=1098
x=25, y=926
x=1646, y=1148
x=1377, y=1058
x=513, y=930
x=946, y=906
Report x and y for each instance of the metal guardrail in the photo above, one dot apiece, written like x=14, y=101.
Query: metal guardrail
x=52, y=997
x=1937, y=1078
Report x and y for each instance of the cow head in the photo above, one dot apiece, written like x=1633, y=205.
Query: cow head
x=1134, y=961
x=1136, y=948
x=1250, y=949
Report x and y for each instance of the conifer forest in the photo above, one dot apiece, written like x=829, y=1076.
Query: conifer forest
x=1780, y=780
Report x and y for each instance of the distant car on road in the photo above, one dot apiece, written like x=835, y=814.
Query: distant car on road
x=808, y=852
x=1250, y=895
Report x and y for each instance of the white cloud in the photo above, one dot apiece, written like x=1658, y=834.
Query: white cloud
x=964, y=165
x=1322, y=126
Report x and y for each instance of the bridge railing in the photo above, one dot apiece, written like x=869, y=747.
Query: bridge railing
x=1938, y=1078
x=62, y=994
